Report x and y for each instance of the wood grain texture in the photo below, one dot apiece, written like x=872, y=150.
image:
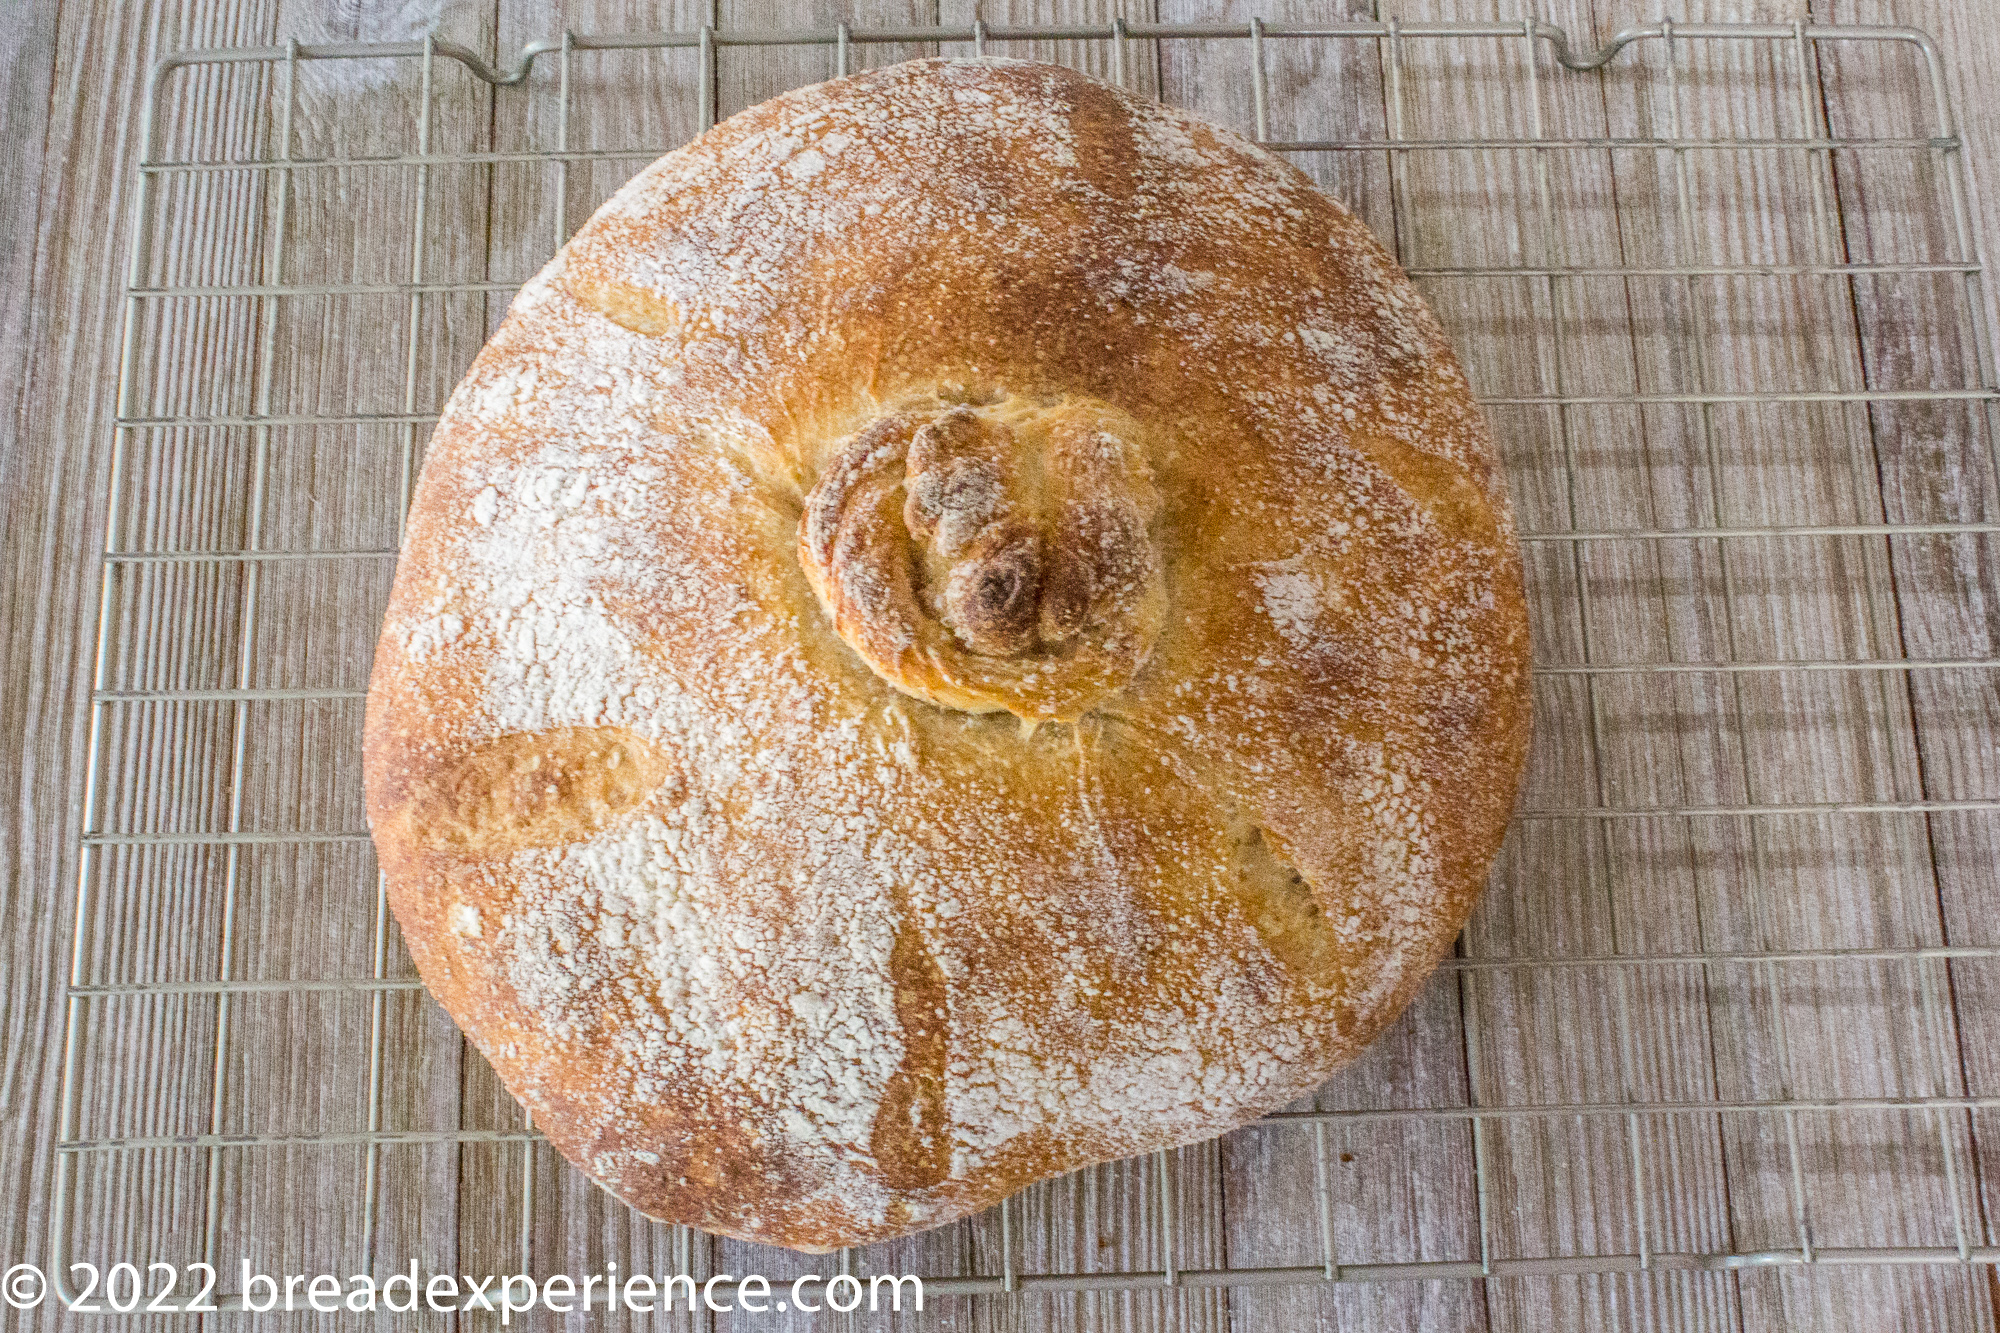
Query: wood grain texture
x=31, y=891
x=1778, y=882
x=69, y=90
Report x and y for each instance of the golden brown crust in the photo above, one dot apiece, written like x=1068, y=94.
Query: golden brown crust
x=966, y=625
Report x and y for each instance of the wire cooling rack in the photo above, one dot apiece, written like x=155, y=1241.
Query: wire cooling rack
x=1728, y=1007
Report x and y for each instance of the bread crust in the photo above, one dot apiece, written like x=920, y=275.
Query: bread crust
x=812, y=907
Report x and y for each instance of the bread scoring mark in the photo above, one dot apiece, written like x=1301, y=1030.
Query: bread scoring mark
x=536, y=789
x=991, y=551
x=1449, y=493
x=1283, y=907
x=626, y=306
x=911, y=1138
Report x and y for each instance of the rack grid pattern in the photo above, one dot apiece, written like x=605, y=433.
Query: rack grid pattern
x=189, y=707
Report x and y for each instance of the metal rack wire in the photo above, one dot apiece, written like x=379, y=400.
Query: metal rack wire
x=160, y=407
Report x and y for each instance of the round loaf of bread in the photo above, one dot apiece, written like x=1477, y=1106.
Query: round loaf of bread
x=965, y=626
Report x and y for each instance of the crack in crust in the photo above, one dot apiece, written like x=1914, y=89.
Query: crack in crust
x=992, y=557
x=1284, y=906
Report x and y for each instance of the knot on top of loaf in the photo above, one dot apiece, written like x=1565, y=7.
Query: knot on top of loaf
x=993, y=555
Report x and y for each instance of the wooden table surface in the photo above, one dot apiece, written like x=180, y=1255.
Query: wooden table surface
x=70, y=82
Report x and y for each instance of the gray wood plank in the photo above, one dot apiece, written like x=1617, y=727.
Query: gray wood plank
x=1936, y=462
x=143, y=1069
x=1831, y=1030
x=72, y=97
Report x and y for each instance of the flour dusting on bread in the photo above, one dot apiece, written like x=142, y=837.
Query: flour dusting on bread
x=966, y=625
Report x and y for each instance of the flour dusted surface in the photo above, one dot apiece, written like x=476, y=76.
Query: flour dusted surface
x=769, y=945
